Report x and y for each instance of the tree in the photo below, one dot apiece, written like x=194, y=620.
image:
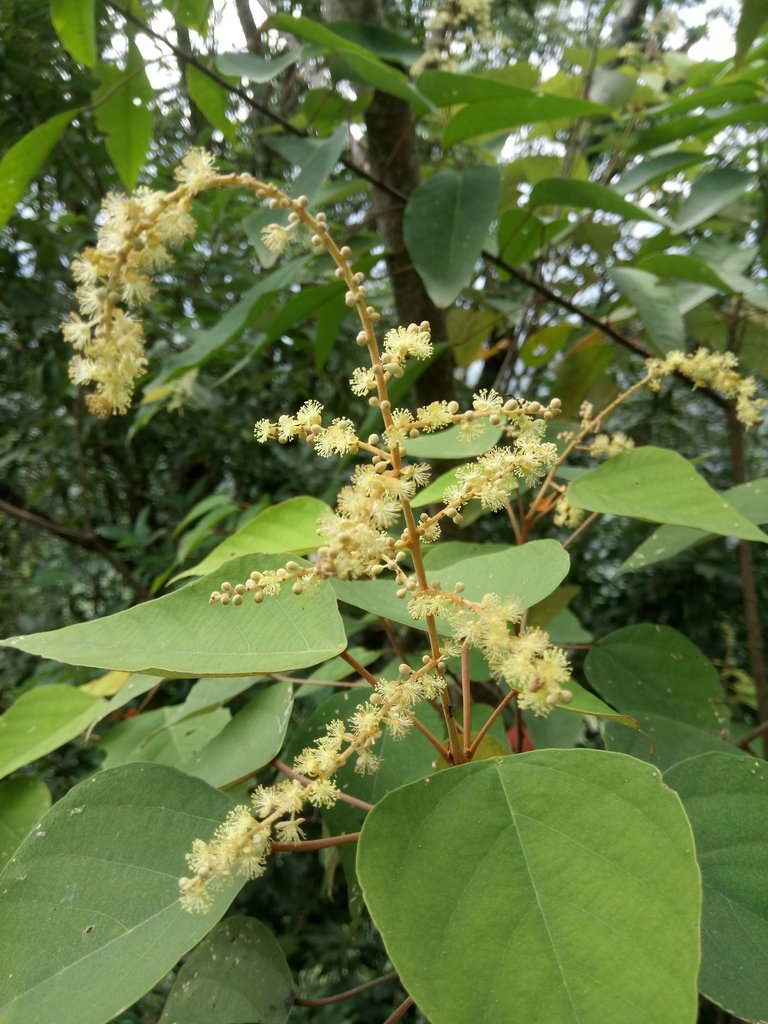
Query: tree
x=549, y=288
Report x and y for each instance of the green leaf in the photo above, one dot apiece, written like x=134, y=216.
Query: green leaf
x=656, y=303
x=360, y=61
x=586, y=703
x=451, y=443
x=541, y=346
x=694, y=125
x=656, y=168
x=191, y=13
x=750, y=499
x=449, y=89
x=104, y=864
x=446, y=226
x=687, y=268
x=574, y=894
x=754, y=15
x=661, y=486
x=123, y=115
x=289, y=526
x=238, y=974
x=23, y=801
x=709, y=194
x=586, y=195
x=657, y=676
x=496, y=116
x=75, y=24
x=316, y=159
x=257, y=69
x=207, y=343
x=248, y=742
x=521, y=235
x=212, y=99
x=726, y=800
x=41, y=720
x=380, y=41
x=152, y=736
x=530, y=573
x=21, y=162
x=181, y=635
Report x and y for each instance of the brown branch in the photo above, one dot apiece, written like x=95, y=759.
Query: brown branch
x=350, y=992
x=580, y=529
x=87, y=541
x=400, y=1012
x=360, y=669
x=491, y=719
x=308, y=845
x=439, y=747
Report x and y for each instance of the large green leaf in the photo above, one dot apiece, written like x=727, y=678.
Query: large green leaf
x=23, y=801
x=586, y=195
x=122, y=113
x=657, y=676
x=446, y=226
x=75, y=24
x=249, y=741
x=154, y=736
x=557, y=885
x=289, y=526
x=754, y=15
x=192, y=13
x=750, y=499
x=521, y=236
x=661, y=486
x=711, y=193
x=255, y=68
x=451, y=443
x=360, y=62
x=530, y=573
x=41, y=720
x=656, y=168
x=315, y=158
x=89, y=912
x=238, y=974
x=495, y=116
x=726, y=800
x=656, y=303
x=448, y=88
x=19, y=165
x=212, y=99
x=181, y=635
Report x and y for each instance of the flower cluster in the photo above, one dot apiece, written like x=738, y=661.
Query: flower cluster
x=337, y=439
x=133, y=242
x=241, y=845
x=716, y=370
x=605, y=446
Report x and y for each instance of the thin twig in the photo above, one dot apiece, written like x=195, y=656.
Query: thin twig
x=439, y=747
x=358, y=667
x=513, y=521
x=352, y=800
x=307, y=845
x=753, y=734
x=491, y=719
x=466, y=699
x=393, y=641
x=400, y=1012
x=348, y=994
x=580, y=529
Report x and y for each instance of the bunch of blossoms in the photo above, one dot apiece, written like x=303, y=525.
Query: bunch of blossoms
x=132, y=243
x=373, y=529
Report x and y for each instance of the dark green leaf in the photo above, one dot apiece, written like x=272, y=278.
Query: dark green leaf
x=41, y=720
x=754, y=14
x=449, y=89
x=237, y=975
x=496, y=116
x=255, y=68
x=586, y=195
x=709, y=194
x=726, y=800
x=656, y=168
x=446, y=226
x=191, y=13
x=181, y=635
x=104, y=862
x=212, y=99
x=574, y=894
x=23, y=801
x=21, y=162
x=123, y=115
x=656, y=303
x=661, y=486
x=75, y=24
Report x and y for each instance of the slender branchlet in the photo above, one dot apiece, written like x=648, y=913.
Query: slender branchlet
x=373, y=530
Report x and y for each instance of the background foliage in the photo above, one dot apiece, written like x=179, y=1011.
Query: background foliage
x=578, y=192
